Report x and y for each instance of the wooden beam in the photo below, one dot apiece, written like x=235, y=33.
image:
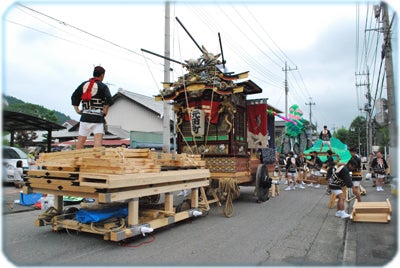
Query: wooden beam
x=103, y=181
x=146, y=191
x=169, y=202
x=133, y=211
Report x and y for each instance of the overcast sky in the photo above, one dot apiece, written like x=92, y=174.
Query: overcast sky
x=49, y=49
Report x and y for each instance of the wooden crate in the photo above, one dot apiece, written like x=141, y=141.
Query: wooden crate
x=372, y=211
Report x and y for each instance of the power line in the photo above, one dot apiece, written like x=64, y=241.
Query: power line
x=81, y=30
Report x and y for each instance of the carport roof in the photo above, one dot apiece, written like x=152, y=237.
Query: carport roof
x=15, y=121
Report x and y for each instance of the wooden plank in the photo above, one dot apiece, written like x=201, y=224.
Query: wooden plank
x=146, y=191
x=156, y=223
x=372, y=207
x=60, y=192
x=61, y=186
x=53, y=174
x=229, y=174
x=363, y=210
x=104, y=181
x=375, y=217
x=86, y=161
x=61, y=168
x=104, y=170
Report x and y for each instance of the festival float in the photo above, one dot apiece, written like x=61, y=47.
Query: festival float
x=234, y=135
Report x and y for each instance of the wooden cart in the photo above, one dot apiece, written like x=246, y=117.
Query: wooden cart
x=120, y=183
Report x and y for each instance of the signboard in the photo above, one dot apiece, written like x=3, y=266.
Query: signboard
x=197, y=122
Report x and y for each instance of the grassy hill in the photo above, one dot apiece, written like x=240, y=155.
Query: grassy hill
x=13, y=104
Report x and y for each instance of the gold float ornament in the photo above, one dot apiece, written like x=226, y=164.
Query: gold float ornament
x=179, y=112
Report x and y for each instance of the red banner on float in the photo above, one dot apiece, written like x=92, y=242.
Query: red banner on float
x=257, y=118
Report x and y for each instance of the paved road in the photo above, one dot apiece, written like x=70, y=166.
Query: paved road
x=295, y=228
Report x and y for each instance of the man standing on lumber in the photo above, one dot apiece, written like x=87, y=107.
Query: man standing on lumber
x=325, y=135
x=339, y=178
x=96, y=99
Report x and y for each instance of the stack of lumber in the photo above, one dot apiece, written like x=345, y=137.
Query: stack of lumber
x=177, y=160
x=83, y=172
x=115, y=161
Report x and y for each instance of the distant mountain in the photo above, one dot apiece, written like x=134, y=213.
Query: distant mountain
x=13, y=104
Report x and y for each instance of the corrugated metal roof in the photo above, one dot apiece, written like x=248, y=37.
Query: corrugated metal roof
x=15, y=121
x=146, y=101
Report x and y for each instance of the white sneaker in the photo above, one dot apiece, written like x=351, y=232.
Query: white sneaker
x=287, y=188
x=310, y=185
x=293, y=188
x=301, y=186
x=286, y=182
x=317, y=186
x=302, y=183
x=344, y=215
x=338, y=213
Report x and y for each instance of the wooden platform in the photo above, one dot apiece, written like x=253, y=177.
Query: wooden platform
x=372, y=211
x=114, y=176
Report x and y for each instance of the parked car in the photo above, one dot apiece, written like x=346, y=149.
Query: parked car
x=10, y=157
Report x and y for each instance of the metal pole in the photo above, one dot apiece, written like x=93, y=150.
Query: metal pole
x=286, y=89
x=166, y=119
x=310, y=103
x=286, y=86
x=359, y=141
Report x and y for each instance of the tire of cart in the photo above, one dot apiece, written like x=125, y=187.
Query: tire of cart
x=262, y=183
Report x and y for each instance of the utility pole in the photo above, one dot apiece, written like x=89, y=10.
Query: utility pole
x=310, y=103
x=387, y=54
x=368, y=110
x=287, y=86
x=166, y=108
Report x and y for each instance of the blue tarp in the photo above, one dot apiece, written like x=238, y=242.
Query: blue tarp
x=97, y=215
x=29, y=199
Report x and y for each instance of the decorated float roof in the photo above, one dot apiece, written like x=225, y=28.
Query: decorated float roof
x=249, y=87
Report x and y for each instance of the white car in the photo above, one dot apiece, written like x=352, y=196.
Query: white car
x=10, y=157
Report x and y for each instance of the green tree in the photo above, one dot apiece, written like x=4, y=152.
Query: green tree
x=341, y=134
x=16, y=105
x=25, y=138
x=384, y=138
x=357, y=136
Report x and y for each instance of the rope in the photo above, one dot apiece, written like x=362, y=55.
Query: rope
x=152, y=75
x=229, y=190
x=48, y=215
x=97, y=228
